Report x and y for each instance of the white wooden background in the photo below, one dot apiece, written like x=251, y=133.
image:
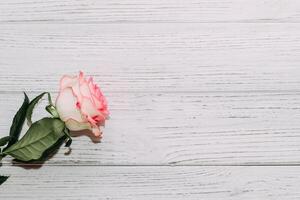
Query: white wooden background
x=204, y=96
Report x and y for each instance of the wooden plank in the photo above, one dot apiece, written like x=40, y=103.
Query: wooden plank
x=151, y=183
x=155, y=11
x=167, y=57
x=185, y=129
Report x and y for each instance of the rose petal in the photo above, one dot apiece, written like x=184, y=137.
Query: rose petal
x=76, y=91
x=81, y=77
x=74, y=125
x=93, y=87
x=85, y=89
x=67, y=81
x=66, y=105
x=98, y=103
x=96, y=131
x=89, y=108
x=72, y=82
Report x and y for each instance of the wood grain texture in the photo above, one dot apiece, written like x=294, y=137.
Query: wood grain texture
x=200, y=92
x=167, y=57
x=186, y=129
x=91, y=183
x=144, y=11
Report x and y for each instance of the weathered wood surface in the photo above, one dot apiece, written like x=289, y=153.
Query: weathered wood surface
x=91, y=183
x=215, y=97
x=186, y=129
x=168, y=57
x=196, y=89
x=144, y=11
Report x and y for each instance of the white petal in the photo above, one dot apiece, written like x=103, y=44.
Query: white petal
x=67, y=81
x=66, y=105
x=73, y=82
x=74, y=125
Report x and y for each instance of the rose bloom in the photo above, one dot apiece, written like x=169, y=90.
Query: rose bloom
x=81, y=104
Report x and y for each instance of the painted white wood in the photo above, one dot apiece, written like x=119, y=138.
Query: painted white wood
x=191, y=84
x=91, y=183
x=185, y=129
x=153, y=57
x=154, y=11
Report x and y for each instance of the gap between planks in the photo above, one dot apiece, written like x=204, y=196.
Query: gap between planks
x=151, y=183
x=217, y=130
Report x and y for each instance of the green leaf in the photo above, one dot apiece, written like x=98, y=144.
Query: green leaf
x=4, y=140
x=3, y=179
x=40, y=137
x=32, y=105
x=18, y=122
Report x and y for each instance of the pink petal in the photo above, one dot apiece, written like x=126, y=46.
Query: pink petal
x=85, y=89
x=97, y=102
x=81, y=77
x=88, y=107
x=92, y=114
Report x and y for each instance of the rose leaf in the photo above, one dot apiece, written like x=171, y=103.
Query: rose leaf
x=32, y=105
x=18, y=122
x=39, y=138
x=3, y=179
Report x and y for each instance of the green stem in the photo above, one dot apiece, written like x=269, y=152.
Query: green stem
x=52, y=110
x=69, y=139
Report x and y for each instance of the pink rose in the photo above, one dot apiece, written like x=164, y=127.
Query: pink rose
x=81, y=104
